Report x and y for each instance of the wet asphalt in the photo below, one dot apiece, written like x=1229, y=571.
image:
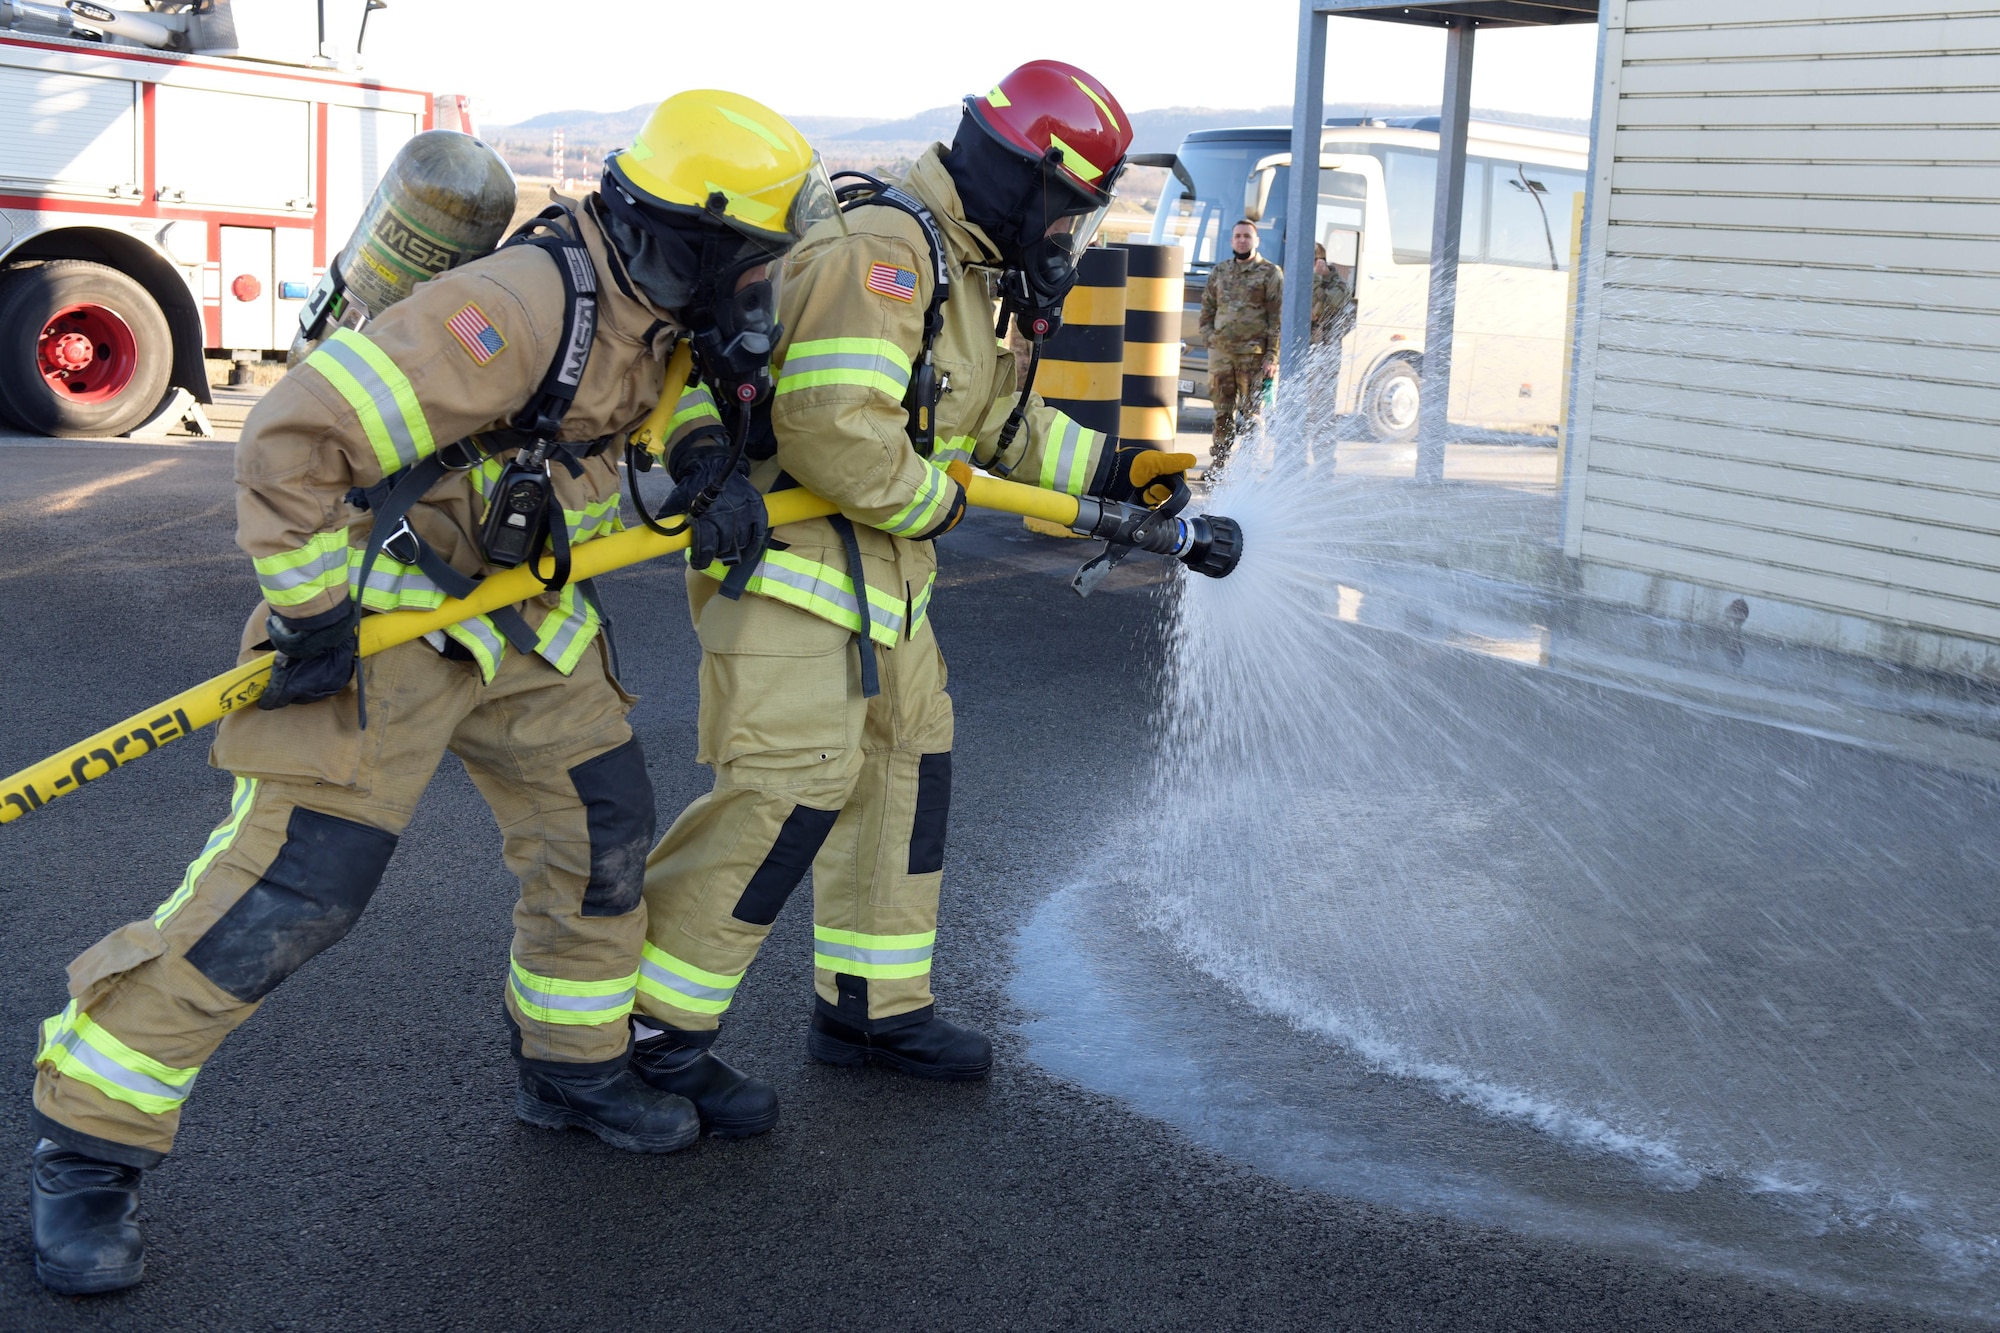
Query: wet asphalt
x=351, y=1161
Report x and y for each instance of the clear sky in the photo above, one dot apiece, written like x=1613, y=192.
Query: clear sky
x=891, y=58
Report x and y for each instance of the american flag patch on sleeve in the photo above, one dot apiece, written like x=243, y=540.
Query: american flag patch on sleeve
x=476, y=334
x=898, y=284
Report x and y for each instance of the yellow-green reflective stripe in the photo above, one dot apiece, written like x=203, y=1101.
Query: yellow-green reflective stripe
x=882, y=956
x=1066, y=455
x=920, y=512
x=392, y=585
x=872, y=363
x=920, y=605
x=295, y=576
x=954, y=450
x=823, y=591
x=566, y=631
x=381, y=397
x=80, y=1049
x=482, y=639
x=594, y=520
x=572, y=1003
x=694, y=405
x=682, y=984
x=218, y=842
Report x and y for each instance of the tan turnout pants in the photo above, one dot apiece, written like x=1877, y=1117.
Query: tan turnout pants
x=317, y=809
x=808, y=773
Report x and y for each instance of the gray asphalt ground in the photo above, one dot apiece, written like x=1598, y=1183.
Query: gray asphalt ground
x=351, y=1162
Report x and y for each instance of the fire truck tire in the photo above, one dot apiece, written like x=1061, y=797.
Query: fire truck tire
x=84, y=350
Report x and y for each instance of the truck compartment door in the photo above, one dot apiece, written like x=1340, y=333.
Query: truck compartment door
x=69, y=134
x=233, y=150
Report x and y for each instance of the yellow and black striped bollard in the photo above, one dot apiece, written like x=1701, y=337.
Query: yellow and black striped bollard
x=1153, y=296
x=1083, y=365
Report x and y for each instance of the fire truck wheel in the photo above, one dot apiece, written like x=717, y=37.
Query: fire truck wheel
x=84, y=350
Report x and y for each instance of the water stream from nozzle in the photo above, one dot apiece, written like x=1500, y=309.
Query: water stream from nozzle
x=1680, y=980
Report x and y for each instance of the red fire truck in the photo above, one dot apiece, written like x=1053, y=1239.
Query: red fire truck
x=173, y=181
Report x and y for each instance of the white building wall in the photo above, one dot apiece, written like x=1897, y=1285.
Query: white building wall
x=1789, y=360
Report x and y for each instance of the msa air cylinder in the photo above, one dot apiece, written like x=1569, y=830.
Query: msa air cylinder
x=445, y=199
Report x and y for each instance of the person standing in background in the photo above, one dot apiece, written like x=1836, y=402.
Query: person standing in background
x=1239, y=324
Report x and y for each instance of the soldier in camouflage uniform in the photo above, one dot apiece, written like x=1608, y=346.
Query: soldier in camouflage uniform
x=1239, y=323
x=1331, y=297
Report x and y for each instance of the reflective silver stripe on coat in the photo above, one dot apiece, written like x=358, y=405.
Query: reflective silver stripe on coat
x=879, y=365
x=284, y=580
x=380, y=394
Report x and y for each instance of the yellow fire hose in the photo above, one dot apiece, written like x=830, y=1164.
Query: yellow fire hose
x=192, y=709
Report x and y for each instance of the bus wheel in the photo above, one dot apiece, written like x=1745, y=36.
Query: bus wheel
x=1390, y=405
x=84, y=350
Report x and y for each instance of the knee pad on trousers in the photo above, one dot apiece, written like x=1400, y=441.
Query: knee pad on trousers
x=311, y=895
x=617, y=801
x=785, y=865
x=933, y=811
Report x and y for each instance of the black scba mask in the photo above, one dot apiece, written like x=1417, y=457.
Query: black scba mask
x=693, y=267
x=1038, y=219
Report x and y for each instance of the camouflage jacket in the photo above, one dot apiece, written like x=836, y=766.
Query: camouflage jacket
x=1330, y=296
x=1239, y=311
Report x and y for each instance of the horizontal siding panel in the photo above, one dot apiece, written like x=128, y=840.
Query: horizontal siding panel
x=1884, y=217
x=1866, y=325
x=1929, y=254
x=1719, y=441
x=1788, y=386
x=1973, y=558
x=1805, y=289
x=1808, y=587
x=1751, y=348
x=1932, y=74
x=1912, y=109
x=1763, y=546
x=1734, y=14
x=1874, y=180
x=1915, y=36
x=1805, y=144
x=1763, y=482
x=1852, y=423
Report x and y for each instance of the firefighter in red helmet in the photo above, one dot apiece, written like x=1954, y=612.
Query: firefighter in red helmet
x=823, y=710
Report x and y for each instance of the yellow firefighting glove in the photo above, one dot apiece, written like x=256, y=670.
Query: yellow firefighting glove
x=1148, y=475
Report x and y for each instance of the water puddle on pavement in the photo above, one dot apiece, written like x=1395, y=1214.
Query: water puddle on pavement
x=1428, y=919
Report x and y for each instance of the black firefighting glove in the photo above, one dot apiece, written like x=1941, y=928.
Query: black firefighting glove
x=733, y=527
x=1146, y=475
x=315, y=656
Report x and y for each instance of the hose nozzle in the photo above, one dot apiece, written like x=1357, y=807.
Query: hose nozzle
x=1206, y=543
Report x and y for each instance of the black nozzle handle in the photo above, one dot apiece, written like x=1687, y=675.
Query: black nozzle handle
x=1207, y=544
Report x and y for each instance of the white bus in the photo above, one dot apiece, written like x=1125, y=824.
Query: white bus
x=1376, y=198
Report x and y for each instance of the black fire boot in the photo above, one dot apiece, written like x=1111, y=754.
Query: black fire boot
x=85, y=1215
x=609, y=1101
x=919, y=1043
x=732, y=1105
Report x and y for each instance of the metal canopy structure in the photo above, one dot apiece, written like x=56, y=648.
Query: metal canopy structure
x=1460, y=19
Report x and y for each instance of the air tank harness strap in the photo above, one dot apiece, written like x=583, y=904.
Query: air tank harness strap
x=871, y=680
x=924, y=389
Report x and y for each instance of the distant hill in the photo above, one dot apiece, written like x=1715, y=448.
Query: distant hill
x=858, y=140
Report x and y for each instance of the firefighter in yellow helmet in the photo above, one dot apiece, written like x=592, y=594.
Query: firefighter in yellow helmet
x=823, y=705
x=459, y=431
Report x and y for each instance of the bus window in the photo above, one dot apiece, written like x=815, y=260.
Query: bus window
x=1410, y=179
x=1531, y=212
x=1343, y=199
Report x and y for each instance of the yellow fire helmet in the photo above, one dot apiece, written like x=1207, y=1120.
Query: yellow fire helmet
x=722, y=157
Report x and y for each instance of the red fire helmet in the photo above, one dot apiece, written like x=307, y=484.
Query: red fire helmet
x=1046, y=104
